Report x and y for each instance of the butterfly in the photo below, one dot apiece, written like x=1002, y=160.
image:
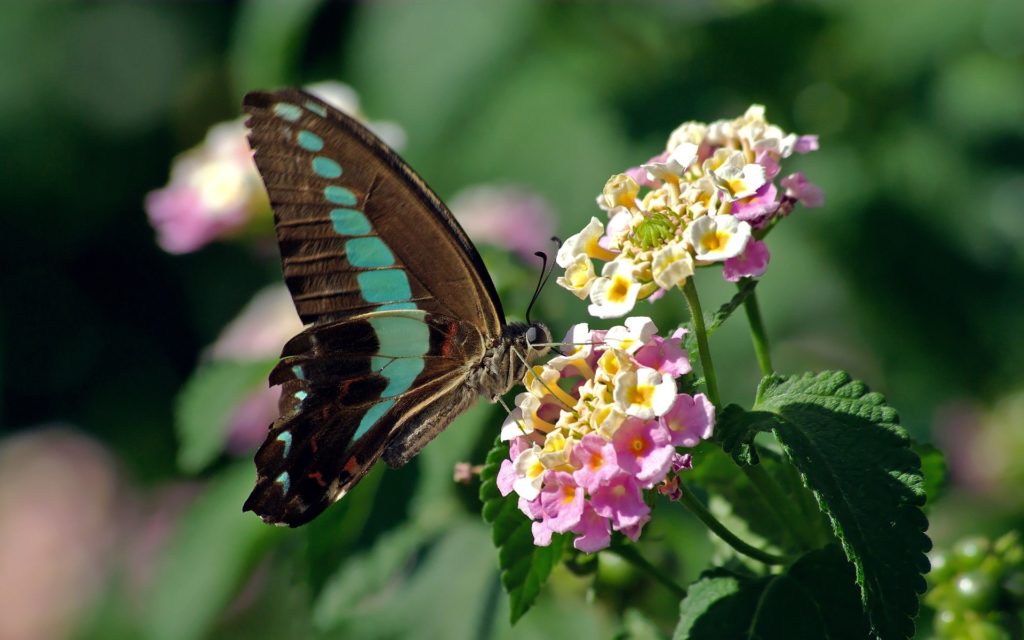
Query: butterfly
x=405, y=329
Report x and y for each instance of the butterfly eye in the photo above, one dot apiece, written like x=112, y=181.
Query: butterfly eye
x=531, y=335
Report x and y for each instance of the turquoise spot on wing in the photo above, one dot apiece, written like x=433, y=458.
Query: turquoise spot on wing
x=339, y=195
x=386, y=285
x=350, y=222
x=286, y=438
x=316, y=108
x=400, y=336
x=288, y=111
x=400, y=375
x=310, y=141
x=326, y=168
x=299, y=373
x=371, y=416
x=284, y=481
x=301, y=395
x=396, y=306
x=368, y=252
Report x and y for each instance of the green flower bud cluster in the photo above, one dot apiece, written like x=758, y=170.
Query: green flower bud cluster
x=977, y=589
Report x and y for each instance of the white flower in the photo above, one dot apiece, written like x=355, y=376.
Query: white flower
x=644, y=393
x=344, y=98
x=629, y=338
x=717, y=238
x=556, y=450
x=687, y=133
x=738, y=177
x=530, y=473
x=619, y=191
x=607, y=419
x=675, y=165
x=579, y=276
x=584, y=243
x=514, y=426
x=576, y=348
x=672, y=265
x=614, y=294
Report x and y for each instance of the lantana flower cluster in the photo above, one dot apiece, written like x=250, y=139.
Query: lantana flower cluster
x=597, y=426
x=707, y=199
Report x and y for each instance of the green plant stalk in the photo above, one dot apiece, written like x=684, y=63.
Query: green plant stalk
x=697, y=315
x=691, y=502
x=780, y=505
x=633, y=557
x=758, y=335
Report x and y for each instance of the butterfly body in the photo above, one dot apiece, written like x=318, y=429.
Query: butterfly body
x=405, y=329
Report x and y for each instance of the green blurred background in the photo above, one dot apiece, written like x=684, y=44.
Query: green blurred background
x=910, y=277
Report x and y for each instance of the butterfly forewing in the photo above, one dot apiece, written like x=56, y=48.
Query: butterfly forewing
x=357, y=228
x=399, y=303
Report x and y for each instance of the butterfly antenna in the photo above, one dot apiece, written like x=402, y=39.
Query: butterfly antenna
x=542, y=279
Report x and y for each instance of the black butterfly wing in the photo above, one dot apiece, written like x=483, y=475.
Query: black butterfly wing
x=400, y=305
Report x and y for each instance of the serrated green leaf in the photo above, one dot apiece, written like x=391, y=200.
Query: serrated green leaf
x=935, y=470
x=524, y=566
x=205, y=405
x=815, y=599
x=211, y=551
x=735, y=429
x=852, y=454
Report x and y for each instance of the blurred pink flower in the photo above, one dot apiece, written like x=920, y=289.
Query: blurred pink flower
x=806, y=192
x=690, y=420
x=60, y=515
x=261, y=329
x=510, y=217
x=214, y=189
x=593, y=532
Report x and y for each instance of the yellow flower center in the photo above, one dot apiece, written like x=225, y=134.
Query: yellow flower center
x=619, y=290
x=641, y=394
x=638, y=445
x=535, y=469
x=596, y=461
x=568, y=494
x=578, y=278
x=714, y=241
x=619, y=491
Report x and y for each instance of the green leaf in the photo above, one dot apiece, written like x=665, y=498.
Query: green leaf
x=857, y=460
x=935, y=470
x=735, y=429
x=816, y=598
x=524, y=566
x=205, y=406
x=746, y=288
x=210, y=553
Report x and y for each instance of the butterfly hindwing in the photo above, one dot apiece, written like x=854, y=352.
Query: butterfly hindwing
x=348, y=387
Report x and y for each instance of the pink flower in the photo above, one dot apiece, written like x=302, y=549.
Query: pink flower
x=506, y=477
x=690, y=420
x=665, y=355
x=670, y=489
x=757, y=208
x=633, y=531
x=247, y=426
x=752, y=263
x=805, y=191
x=639, y=174
x=541, y=533
x=510, y=217
x=644, y=449
x=531, y=508
x=806, y=144
x=622, y=501
x=561, y=499
x=682, y=462
x=593, y=532
x=596, y=459
x=261, y=329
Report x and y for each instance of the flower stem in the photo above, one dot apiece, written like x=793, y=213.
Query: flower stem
x=758, y=334
x=710, y=379
x=697, y=507
x=782, y=506
x=633, y=557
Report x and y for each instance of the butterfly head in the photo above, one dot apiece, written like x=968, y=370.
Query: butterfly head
x=536, y=341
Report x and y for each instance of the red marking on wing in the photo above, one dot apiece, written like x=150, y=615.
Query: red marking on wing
x=449, y=334
x=312, y=444
x=352, y=466
x=319, y=478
